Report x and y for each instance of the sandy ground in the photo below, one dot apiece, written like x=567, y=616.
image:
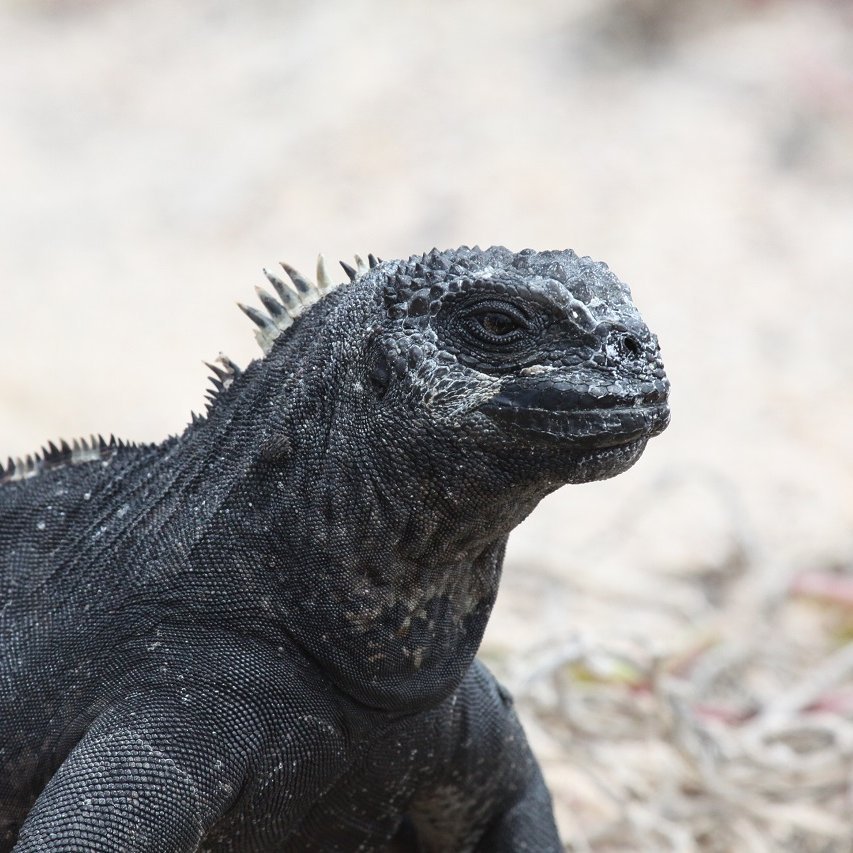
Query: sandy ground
x=154, y=155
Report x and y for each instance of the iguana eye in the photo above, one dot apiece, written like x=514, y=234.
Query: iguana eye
x=497, y=324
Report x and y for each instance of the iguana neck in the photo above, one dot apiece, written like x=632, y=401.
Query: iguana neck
x=379, y=556
x=375, y=546
x=385, y=570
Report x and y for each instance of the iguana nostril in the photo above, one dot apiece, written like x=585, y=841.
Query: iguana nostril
x=631, y=345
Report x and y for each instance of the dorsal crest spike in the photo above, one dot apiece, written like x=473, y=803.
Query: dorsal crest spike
x=223, y=376
x=217, y=371
x=267, y=330
x=286, y=292
x=279, y=314
x=324, y=280
x=55, y=455
x=372, y=260
x=350, y=271
x=29, y=466
x=303, y=285
x=263, y=322
x=294, y=296
x=231, y=367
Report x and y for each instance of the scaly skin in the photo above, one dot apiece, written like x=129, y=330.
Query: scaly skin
x=260, y=636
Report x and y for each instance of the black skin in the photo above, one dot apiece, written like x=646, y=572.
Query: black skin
x=260, y=636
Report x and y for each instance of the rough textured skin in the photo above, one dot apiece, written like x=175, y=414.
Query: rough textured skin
x=260, y=636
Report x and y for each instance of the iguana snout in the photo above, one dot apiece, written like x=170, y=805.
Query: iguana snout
x=616, y=394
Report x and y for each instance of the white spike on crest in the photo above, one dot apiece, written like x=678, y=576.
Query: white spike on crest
x=295, y=296
x=24, y=469
x=324, y=280
x=82, y=452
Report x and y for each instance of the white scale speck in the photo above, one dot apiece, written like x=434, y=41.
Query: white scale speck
x=41, y=525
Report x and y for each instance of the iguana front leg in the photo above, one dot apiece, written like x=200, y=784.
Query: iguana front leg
x=151, y=774
x=524, y=824
x=490, y=796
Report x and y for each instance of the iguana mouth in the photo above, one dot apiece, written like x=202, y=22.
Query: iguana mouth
x=581, y=419
x=591, y=429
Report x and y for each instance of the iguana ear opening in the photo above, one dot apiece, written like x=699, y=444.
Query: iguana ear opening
x=379, y=371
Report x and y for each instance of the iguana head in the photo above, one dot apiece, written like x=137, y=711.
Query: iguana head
x=539, y=356
x=411, y=419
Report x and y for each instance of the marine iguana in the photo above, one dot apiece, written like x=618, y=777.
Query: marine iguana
x=260, y=635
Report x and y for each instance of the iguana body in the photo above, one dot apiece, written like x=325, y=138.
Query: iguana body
x=260, y=636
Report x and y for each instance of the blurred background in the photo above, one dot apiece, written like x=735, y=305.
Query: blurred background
x=678, y=639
